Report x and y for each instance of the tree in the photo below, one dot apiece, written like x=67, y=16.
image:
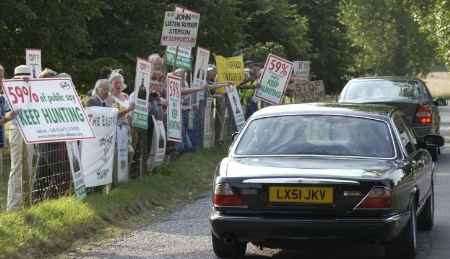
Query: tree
x=388, y=39
x=331, y=52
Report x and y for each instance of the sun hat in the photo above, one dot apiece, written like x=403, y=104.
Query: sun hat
x=22, y=70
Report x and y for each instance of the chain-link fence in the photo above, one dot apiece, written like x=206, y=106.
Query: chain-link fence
x=47, y=175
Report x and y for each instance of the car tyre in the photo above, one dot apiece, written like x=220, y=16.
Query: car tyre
x=405, y=245
x=224, y=250
x=426, y=217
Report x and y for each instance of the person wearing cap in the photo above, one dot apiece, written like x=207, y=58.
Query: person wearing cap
x=18, y=151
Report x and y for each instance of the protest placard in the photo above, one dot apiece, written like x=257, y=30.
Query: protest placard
x=236, y=107
x=180, y=29
x=201, y=69
x=122, y=152
x=174, y=108
x=158, y=149
x=182, y=55
x=34, y=61
x=48, y=110
x=229, y=69
x=208, y=137
x=97, y=155
x=141, y=93
x=307, y=91
x=301, y=69
x=73, y=152
x=274, y=79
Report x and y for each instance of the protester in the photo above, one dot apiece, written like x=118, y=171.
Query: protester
x=186, y=144
x=5, y=114
x=18, y=151
x=53, y=177
x=100, y=94
x=247, y=88
x=157, y=62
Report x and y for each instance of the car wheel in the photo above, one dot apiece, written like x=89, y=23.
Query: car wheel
x=404, y=246
x=426, y=217
x=228, y=250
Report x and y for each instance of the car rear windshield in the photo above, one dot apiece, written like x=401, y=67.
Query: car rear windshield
x=381, y=90
x=316, y=135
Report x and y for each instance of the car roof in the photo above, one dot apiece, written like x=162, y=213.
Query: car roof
x=375, y=111
x=389, y=78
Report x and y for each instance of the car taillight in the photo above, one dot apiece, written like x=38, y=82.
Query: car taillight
x=377, y=198
x=424, y=115
x=225, y=197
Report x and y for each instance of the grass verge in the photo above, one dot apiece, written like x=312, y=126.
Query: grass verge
x=52, y=226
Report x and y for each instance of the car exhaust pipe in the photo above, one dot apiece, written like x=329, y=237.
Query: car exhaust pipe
x=228, y=239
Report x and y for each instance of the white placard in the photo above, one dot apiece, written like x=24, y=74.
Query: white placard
x=180, y=29
x=158, y=144
x=141, y=93
x=48, y=110
x=33, y=59
x=97, y=155
x=174, y=108
x=73, y=152
x=207, y=129
x=201, y=71
x=122, y=152
x=301, y=69
x=236, y=107
x=274, y=79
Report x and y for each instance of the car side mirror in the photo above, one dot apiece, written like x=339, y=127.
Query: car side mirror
x=234, y=135
x=434, y=140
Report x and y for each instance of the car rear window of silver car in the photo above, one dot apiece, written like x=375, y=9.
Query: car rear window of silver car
x=321, y=135
x=382, y=90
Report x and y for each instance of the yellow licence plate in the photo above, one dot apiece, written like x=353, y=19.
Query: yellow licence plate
x=312, y=195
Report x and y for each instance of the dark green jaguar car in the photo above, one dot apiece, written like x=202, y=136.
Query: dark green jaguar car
x=321, y=172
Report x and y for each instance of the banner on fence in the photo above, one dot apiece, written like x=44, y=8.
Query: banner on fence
x=73, y=152
x=301, y=69
x=34, y=61
x=122, y=152
x=236, y=107
x=274, y=80
x=174, y=108
x=48, y=110
x=207, y=129
x=141, y=84
x=180, y=29
x=97, y=155
x=183, y=56
x=229, y=70
x=158, y=149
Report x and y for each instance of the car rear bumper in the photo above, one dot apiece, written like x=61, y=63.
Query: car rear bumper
x=261, y=229
x=422, y=131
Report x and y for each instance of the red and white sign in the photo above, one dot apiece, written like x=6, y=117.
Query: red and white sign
x=48, y=110
x=274, y=79
x=174, y=123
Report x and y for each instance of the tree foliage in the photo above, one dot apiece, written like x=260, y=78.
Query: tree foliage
x=342, y=38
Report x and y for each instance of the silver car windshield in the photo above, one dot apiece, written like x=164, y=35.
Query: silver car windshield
x=381, y=90
x=317, y=135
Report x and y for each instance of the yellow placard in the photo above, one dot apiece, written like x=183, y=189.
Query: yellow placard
x=311, y=195
x=229, y=69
